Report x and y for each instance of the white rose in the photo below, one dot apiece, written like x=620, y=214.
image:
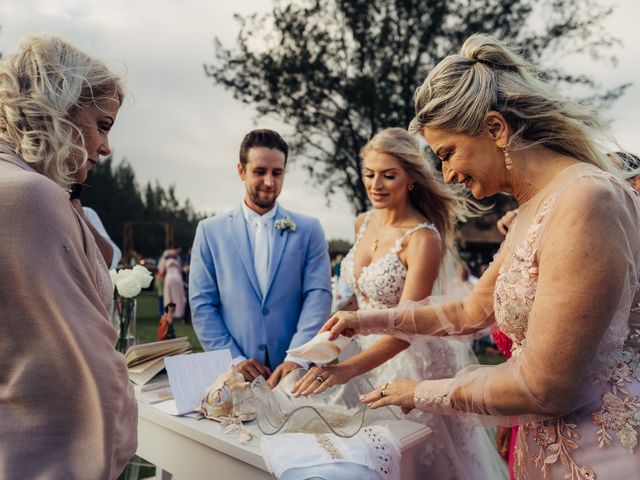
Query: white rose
x=143, y=275
x=113, y=274
x=127, y=284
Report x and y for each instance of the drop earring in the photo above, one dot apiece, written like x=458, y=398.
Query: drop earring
x=507, y=158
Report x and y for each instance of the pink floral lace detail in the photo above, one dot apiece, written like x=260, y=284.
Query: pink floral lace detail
x=620, y=410
x=516, y=286
x=556, y=439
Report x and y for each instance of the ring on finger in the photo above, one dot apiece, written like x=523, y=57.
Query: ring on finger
x=384, y=387
x=319, y=378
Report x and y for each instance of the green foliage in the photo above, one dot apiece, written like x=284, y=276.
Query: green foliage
x=339, y=246
x=337, y=71
x=112, y=190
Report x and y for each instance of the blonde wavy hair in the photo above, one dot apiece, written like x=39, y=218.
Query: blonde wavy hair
x=441, y=204
x=42, y=86
x=488, y=76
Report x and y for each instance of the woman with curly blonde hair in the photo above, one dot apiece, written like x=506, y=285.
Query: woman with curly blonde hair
x=66, y=409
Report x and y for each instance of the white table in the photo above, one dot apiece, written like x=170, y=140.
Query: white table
x=197, y=449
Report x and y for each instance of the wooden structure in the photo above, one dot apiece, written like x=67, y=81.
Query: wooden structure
x=128, y=246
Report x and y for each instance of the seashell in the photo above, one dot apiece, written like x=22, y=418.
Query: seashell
x=228, y=398
x=320, y=349
x=229, y=428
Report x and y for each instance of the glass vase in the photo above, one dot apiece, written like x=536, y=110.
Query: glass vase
x=124, y=321
x=337, y=410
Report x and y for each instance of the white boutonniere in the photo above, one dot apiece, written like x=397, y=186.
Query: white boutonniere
x=284, y=224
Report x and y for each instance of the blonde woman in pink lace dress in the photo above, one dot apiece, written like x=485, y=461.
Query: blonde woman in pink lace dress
x=403, y=251
x=564, y=286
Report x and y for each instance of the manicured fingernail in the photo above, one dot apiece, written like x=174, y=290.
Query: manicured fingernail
x=361, y=397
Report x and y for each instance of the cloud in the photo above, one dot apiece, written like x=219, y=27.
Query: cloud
x=178, y=128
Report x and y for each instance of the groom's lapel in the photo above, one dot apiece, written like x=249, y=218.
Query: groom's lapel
x=279, y=242
x=241, y=239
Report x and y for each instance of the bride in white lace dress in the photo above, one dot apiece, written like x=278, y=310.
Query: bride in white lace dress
x=403, y=251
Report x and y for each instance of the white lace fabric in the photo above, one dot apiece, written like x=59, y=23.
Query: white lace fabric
x=381, y=282
x=456, y=450
x=373, y=447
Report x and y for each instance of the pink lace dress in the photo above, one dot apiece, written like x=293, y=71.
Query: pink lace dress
x=566, y=294
x=598, y=439
x=457, y=449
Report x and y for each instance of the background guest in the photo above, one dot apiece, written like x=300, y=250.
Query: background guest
x=165, y=325
x=174, y=287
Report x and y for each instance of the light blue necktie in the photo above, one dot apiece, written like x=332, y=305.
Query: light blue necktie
x=261, y=254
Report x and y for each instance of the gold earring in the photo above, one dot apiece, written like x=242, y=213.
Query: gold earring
x=411, y=187
x=507, y=158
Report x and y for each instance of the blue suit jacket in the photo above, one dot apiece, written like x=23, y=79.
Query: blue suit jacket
x=227, y=305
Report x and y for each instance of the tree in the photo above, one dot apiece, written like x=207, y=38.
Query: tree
x=114, y=193
x=339, y=246
x=338, y=71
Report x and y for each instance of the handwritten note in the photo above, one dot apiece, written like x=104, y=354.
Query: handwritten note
x=190, y=375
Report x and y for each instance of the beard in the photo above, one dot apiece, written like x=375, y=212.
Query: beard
x=262, y=202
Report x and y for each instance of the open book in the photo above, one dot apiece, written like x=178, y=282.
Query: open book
x=145, y=361
x=155, y=390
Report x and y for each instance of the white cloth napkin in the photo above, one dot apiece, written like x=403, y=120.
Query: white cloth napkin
x=373, y=447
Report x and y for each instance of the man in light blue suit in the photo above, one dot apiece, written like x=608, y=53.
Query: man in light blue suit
x=259, y=280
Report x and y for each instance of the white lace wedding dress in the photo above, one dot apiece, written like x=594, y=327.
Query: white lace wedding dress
x=456, y=449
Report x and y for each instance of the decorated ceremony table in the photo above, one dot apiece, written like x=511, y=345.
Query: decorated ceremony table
x=191, y=449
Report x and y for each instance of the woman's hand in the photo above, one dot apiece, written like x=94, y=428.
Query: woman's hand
x=311, y=383
x=398, y=393
x=342, y=322
x=506, y=220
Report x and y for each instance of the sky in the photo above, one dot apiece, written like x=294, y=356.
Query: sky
x=177, y=127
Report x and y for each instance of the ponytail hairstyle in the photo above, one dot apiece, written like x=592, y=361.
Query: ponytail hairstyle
x=441, y=204
x=486, y=75
x=41, y=89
